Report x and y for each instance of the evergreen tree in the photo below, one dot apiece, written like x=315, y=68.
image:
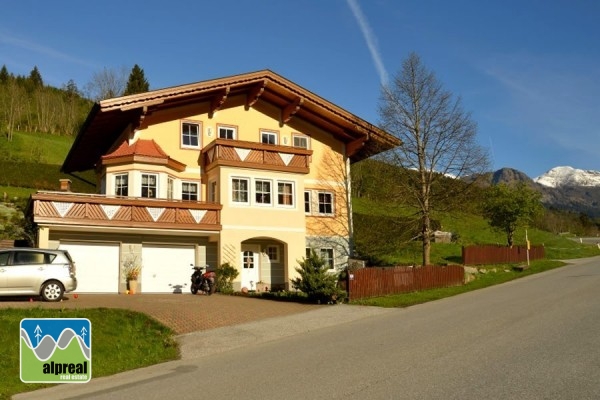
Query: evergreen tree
x=137, y=82
x=4, y=75
x=36, y=78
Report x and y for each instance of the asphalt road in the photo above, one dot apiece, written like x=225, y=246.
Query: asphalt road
x=534, y=338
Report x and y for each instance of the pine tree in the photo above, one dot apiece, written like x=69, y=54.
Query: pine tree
x=4, y=75
x=137, y=82
x=36, y=78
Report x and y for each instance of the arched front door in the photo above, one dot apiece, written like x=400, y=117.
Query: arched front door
x=250, y=267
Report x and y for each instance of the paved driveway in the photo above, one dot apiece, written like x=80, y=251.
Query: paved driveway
x=184, y=313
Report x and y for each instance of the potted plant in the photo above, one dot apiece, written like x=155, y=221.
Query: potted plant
x=131, y=270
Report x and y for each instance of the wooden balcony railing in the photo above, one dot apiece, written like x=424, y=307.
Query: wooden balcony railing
x=242, y=154
x=67, y=208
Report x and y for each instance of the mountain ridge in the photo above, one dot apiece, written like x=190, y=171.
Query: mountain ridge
x=563, y=188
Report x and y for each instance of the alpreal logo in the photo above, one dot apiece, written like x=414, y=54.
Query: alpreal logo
x=56, y=350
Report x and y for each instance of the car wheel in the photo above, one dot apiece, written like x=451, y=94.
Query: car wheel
x=52, y=291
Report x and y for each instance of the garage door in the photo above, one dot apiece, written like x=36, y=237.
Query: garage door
x=97, y=266
x=166, y=268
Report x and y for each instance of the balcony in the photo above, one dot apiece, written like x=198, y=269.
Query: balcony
x=67, y=208
x=242, y=154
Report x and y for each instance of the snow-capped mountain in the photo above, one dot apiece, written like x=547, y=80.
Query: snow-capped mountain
x=568, y=176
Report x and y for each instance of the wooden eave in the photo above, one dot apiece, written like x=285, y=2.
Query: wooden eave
x=142, y=159
x=109, y=118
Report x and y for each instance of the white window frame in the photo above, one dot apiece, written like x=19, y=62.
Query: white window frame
x=233, y=190
x=170, y=188
x=332, y=197
x=227, y=128
x=330, y=261
x=256, y=193
x=272, y=250
x=292, y=194
x=197, y=193
x=308, y=202
x=272, y=134
x=120, y=187
x=148, y=187
x=300, y=136
x=189, y=135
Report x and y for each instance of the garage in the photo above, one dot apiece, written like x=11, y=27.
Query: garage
x=166, y=268
x=97, y=266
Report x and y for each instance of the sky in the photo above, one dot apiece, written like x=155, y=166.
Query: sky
x=528, y=71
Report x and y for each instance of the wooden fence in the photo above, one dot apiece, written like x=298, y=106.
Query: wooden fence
x=376, y=281
x=476, y=255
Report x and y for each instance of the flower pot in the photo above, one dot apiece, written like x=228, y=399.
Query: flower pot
x=132, y=286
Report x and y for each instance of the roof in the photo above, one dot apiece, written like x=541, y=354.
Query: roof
x=108, y=118
x=145, y=151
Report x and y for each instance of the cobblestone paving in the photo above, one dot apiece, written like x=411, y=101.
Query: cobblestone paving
x=184, y=313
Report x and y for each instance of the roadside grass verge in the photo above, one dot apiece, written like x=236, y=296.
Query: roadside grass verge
x=495, y=275
x=121, y=340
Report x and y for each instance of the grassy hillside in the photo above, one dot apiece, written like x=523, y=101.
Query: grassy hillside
x=32, y=161
x=382, y=239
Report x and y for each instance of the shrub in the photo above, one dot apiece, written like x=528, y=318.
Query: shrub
x=317, y=281
x=226, y=273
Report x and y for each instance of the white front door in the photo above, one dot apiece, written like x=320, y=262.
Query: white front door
x=250, y=267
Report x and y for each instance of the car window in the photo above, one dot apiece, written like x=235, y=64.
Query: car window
x=28, y=257
x=4, y=258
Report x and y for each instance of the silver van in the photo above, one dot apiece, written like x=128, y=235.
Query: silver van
x=40, y=272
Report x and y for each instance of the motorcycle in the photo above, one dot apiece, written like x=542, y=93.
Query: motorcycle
x=203, y=281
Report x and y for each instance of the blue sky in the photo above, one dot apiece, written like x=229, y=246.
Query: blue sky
x=527, y=70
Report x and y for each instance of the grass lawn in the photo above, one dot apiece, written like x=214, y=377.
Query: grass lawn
x=121, y=340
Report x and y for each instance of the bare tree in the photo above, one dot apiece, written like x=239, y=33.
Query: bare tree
x=107, y=83
x=438, y=141
x=14, y=106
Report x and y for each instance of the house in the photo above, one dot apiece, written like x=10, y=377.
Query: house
x=251, y=170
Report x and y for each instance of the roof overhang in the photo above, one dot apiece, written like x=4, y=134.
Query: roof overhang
x=108, y=119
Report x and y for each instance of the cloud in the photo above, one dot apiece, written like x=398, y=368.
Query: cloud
x=370, y=38
x=40, y=49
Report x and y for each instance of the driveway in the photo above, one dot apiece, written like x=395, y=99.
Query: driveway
x=184, y=313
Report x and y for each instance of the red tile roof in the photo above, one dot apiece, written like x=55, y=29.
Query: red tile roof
x=140, y=147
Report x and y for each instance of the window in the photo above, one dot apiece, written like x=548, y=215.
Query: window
x=149, y=186
x=122, y=185
x=307, y=201
x=308, y=252
x=239, y=190
x=212, y=191
x=327, y=257
x=300, y=141
x=285, y=193
x=189, y=191
x=21, y=258
x=262, y=192
x=190, y=135
x=273, y=253
x=227, y=132
x=325, y=203
x=170, y=188
x=248, y=260
x=268, y=137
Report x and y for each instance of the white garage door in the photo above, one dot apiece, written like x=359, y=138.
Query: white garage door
x=97, y=266
x=167, y=268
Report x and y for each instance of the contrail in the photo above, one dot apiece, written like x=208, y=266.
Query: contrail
x=370, y=38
